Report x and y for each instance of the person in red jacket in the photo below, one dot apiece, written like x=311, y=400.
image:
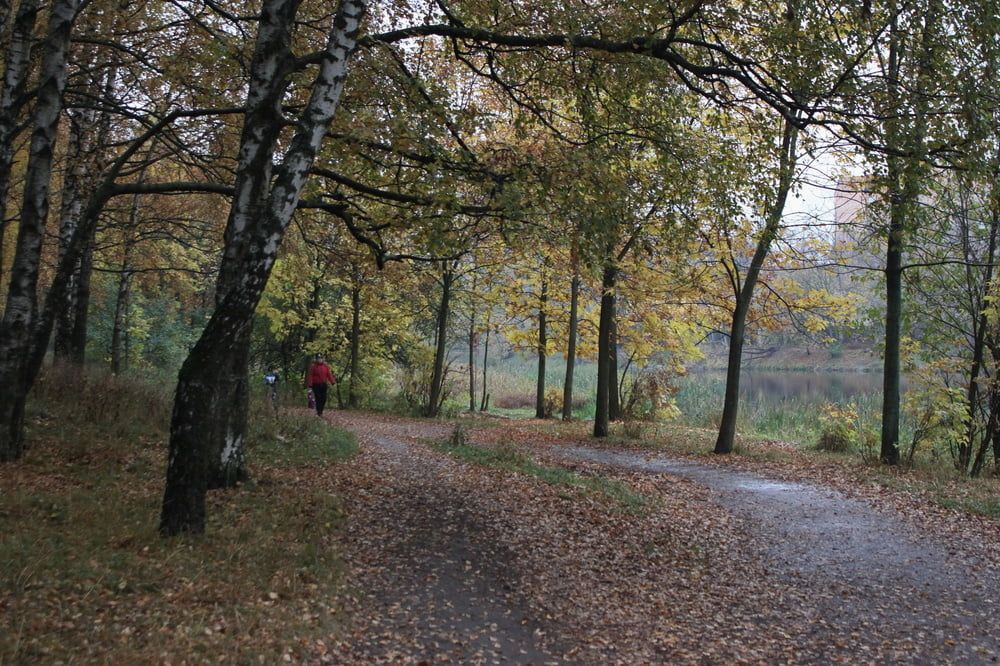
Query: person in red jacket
x=317, y=378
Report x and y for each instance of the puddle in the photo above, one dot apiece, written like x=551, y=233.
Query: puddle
x=765, y=486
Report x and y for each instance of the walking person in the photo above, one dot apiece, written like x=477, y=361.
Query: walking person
x=317, y=378
x=271, y=380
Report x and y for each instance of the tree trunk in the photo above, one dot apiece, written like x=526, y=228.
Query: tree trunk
x=81, y=306
x=355, y=385
x=72, y=203
x=979, y=334
x=20, y=313
x=79, y=154
x=574, y=299
x=253, y=236
x=904, y=184
x=731, y=403
x=486, y=355
x=119, y=331
x=604, y=343
x=614, y=394
x=744, y=292
x=17, y=61
x=472, y=361
x=542, y=348
x=227, y=430
x=889, y=453
x=433, y=407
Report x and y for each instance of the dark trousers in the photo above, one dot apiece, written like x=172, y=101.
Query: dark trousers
x=319, y=394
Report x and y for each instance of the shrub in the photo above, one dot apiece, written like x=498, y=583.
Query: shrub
x=552, y=402
x=415, y=372
x=838, y=428
x=651, y=397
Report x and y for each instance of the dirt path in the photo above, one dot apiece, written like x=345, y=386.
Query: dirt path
x=454, y=563
x=431, y=580
x=887, y=577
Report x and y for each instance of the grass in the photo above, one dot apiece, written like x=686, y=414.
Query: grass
x=982, y=506
x=508, y=460
x=84, y=575
x=944, y=486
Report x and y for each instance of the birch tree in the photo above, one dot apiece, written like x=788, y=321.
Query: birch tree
x=21, y=308
x=267, y=192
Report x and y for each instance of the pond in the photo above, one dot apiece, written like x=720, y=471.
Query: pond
x=778, y=404
x=836, y=387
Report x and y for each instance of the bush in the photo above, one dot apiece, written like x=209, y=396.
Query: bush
x=652, y=395
x=119, y=404
x=838, y=428
x=552, y=402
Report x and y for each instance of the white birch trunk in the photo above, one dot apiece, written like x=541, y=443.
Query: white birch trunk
x=22, y=299
x=253, y=236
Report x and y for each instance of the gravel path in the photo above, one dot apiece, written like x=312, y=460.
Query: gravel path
x=887, y=577
x=451, y=563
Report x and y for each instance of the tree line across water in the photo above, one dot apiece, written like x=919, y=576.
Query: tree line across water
x=601, y=180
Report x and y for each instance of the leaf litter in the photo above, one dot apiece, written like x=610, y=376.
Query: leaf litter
x=457, y=562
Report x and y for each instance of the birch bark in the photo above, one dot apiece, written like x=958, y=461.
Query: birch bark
x=261, y=211
x=21, y=308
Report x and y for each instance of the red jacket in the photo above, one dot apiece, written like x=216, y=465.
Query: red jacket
x=319, y=373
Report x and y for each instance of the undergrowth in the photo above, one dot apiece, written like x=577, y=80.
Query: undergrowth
x=84, y=575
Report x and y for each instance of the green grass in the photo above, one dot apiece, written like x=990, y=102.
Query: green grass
x=982, y=506
x=508, y=460
x=298, y=440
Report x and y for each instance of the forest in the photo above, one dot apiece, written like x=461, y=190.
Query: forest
x=542, y=216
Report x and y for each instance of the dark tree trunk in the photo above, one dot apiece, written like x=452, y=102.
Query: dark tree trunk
x=574, y=302
x=195, y=415
x=484, y=405
x=78, y=154
x=744, y=292
x=355, y=385
x=435, y=398
x=614, y=394
x=89, y=130
x=65, y=319
x=119, y=331
x=81, y=306
x=979, y=334
x=17, y=60
x=731, y=403
x=473, y=344
x=889, y=453
x=228, y=427
x=604, y=343
x=996, y=437
x=904, y=184
x=542, y=348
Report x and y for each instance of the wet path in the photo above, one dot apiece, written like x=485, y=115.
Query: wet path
x=870, y=572
x=452, y=563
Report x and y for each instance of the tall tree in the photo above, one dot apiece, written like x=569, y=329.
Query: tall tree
x=265, y=200
x=21, y=308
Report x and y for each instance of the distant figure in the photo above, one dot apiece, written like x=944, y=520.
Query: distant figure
x=271, y=382
x=317, y=378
